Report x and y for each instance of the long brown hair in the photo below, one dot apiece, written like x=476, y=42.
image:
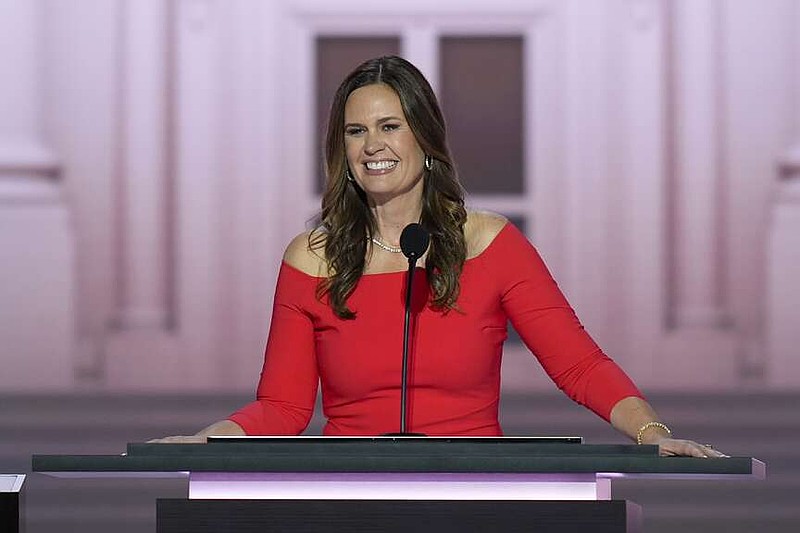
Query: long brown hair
x=346, y=221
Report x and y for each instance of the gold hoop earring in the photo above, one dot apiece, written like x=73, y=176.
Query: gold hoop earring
x=428, y=162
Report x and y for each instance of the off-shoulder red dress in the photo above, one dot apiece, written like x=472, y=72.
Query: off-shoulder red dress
x=454, y=372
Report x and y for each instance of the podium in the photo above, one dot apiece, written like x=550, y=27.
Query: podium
x=397, y=483
x=11, y=502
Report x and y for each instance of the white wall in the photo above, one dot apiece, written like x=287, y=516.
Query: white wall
x=180, y=126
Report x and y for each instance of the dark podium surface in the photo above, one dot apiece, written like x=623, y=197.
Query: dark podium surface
x=400, y=454
x=397, y=483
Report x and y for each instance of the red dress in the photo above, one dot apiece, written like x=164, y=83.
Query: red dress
x=454, y=370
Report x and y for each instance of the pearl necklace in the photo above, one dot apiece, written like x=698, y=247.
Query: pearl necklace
x=391, y=249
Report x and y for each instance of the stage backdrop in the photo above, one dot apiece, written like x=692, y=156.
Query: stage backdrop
x=157, y=155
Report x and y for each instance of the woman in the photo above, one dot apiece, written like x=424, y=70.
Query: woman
x=337, y=315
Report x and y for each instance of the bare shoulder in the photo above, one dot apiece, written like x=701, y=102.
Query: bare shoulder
x=481, y=229
x=305, y=253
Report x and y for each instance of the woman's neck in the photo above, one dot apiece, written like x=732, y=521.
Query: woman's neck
x=391, y=217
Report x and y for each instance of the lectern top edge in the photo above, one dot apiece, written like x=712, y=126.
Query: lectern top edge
x=335, y=439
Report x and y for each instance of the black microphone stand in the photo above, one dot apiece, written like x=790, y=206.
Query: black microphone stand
x=412, y=264
x=414, y=242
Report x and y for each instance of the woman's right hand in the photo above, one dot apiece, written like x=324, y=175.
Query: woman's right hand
x=180, y=439
x=223, y=427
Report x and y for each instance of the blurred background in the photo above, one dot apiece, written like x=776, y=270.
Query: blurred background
x=157, y=155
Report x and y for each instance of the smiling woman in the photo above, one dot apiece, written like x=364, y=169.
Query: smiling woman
x=337, y=303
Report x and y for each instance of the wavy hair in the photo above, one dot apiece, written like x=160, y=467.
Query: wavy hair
x=346, y=221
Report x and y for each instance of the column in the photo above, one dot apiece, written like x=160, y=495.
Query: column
x=143, y=301
x=783, y=258
x=697, y=190
x=36, y=248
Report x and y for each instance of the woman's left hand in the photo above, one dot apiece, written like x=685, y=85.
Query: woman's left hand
x=668, y=447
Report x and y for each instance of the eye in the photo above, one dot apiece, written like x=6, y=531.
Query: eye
x=390, y=127
x=353, y=130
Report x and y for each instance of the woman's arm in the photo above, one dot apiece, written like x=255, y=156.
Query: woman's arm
x=634, y=417
x=289, y=380
x=288, y=385
x=550, y=329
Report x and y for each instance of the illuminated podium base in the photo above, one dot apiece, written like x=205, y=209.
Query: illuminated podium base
x=397, y=501
x=388, y=516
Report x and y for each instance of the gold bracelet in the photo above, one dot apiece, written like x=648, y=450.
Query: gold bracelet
x=642, y=429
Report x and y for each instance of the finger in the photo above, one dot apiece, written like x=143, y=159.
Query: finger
x=665, y=451
x=688, y=449
x=669, y=449
x=674, y=447
x=713, y=452
x=698, y=451
x=181, y=439
x=167, y=440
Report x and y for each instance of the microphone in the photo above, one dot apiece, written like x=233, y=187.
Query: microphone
x=414, y=241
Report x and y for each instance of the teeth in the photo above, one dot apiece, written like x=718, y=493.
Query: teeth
x=381, y=165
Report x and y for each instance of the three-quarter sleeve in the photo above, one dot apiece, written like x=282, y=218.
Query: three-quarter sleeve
x=550, y=329
x=288, y=386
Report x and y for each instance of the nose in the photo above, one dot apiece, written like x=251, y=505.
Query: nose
x=373, y=144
